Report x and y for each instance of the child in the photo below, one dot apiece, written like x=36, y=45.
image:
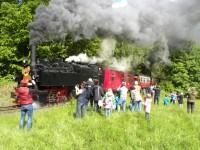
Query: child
x=147, y=104
x=108, y=99
x=166, y=100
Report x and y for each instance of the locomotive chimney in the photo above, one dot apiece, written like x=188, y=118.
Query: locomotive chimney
x=33, y=59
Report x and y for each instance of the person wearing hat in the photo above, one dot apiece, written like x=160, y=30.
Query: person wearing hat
x=25, y=100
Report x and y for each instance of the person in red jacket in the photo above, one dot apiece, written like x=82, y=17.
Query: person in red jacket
x=24, y=98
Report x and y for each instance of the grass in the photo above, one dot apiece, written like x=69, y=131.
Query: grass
x=55, y=128
x=170, y=128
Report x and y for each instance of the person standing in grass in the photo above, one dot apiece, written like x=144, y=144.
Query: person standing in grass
x=24, y=98
x=108, y=99
x=133, y=98
x=156, y=94
x=123, y=95
x=180, y=99
x=82, y=99
x=97, y=95
x=147, y=106
x=191, y=97
x=166, y=100
x=138, y=97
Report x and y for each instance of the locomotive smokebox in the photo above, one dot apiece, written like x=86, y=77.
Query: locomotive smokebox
x=33, y=60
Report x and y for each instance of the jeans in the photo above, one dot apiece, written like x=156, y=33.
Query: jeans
x=138, y=105
x=107, y=112
x=132, y=106
x=80, y=110
x=124, y=105
x=147, y=115
x=26, y=109
x=156, y=99
x=190, y=107
x=96, y=106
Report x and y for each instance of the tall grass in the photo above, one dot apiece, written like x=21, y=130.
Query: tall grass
x=56, y=129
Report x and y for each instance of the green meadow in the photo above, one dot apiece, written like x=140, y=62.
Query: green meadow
x=55, y=128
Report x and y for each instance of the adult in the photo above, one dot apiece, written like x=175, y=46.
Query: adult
x=90, y=85
x=123, y=95
x=82, y=99
x=138, y=97
x=180, y=99
x=133, y=98
x=24, y=98
x=191, y=97
x=156, y=94
x=97, y=95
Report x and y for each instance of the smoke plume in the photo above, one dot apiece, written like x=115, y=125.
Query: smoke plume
x=143, y=21
x=140, y=20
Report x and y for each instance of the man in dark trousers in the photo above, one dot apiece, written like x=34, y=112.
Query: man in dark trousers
x=97, y=95
x=191, y=97
x=156, y=94
x=90, y=85
x=82, y=99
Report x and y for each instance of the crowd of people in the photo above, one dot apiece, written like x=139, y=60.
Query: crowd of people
x=109, y=101
x=118, y=100
x=91, y=94
x=177, y=97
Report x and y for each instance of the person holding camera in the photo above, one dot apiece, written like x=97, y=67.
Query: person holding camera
x=82, y=99
x=25, y=100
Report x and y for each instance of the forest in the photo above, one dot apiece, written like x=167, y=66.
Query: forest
x=178, y=71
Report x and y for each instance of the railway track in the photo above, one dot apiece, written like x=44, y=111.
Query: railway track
x=13, y=108
x=10, y=108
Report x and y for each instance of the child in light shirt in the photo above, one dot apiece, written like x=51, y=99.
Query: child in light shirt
x=147, y=106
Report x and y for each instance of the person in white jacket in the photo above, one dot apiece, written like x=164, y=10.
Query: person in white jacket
x=123, y=90
x=147, y=106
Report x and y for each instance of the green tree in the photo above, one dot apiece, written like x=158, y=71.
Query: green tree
x=14, y=36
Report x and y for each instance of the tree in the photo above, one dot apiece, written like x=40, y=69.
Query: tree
x=14, y=36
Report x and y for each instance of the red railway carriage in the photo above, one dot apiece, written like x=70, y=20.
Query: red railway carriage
x=145, y=81
x=113, y=79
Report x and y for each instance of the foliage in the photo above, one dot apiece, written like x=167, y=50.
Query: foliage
x=13, y=36
x=185, y=68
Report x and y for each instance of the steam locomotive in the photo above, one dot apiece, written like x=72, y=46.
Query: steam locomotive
x=55, y=81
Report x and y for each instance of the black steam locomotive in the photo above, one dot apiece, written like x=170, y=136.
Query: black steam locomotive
x=55, y=81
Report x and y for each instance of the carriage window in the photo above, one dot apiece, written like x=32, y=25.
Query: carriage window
x=113, y=76
x=123, y=77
